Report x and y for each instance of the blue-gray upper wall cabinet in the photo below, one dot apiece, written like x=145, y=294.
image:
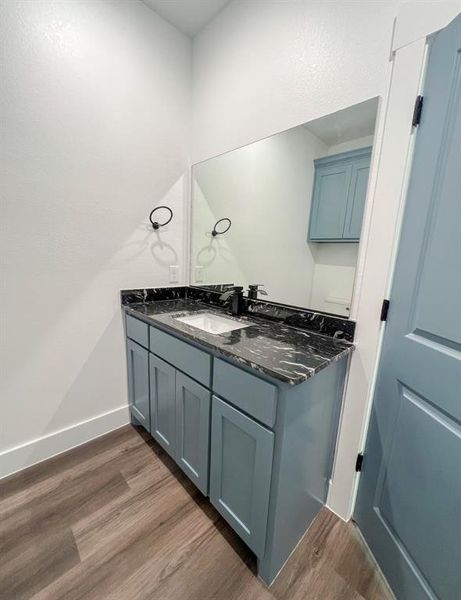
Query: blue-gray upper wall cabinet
x=138, y=382
x=240, y=472
x=162, y=403
x=338, y=199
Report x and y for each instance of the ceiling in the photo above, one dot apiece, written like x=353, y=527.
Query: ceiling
x=189, y=16
x=348, y=124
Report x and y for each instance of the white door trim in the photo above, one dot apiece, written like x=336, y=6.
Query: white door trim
x=389, y=174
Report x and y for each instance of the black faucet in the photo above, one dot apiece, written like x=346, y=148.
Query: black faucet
x=253, y=290
x=236, y=293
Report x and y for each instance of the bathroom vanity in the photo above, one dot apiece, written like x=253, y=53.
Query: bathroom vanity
x=248, y=407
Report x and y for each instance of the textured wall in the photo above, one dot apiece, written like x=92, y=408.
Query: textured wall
x=94, y=105
x=261, y=67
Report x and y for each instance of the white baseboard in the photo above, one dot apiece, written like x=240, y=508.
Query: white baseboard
x=342, y=517
x=30, y=453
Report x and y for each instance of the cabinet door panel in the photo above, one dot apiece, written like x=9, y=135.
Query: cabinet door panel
x=162, y=403
x=356, y=202
x=240, y=474
x=193, y=429
x=329, y=201
x=138, y=382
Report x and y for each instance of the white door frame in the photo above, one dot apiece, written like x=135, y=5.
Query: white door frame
x=390, y=168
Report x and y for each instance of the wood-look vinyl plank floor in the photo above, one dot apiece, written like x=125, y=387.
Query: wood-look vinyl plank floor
x=117, y=519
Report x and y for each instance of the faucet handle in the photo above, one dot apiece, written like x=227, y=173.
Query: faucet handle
x=255, y=287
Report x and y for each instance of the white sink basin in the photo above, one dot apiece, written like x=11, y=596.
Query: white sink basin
x=212, y=323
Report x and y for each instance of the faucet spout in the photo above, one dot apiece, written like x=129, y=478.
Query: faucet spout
x=236, y=294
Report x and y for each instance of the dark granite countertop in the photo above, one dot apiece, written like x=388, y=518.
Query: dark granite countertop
x=286, y=353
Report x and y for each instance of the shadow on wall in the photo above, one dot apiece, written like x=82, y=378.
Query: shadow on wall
x=162, y=252
x=214, y=253
x=67, y=360
x=90, y=388
x=56, y=255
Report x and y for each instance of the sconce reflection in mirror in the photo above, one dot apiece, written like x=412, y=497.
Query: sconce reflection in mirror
x=215, y=232
x=155, y=224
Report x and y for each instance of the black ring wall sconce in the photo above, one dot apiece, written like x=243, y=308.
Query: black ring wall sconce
x=215, y=232
x=155, y=224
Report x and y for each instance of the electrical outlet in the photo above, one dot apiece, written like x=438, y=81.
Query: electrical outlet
x=198, y=274
x=174, y=273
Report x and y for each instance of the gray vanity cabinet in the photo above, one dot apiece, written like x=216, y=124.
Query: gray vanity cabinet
x=260, y=448
x=162, y=403
x=240, y=472
x=138, y=382
x=193, y=429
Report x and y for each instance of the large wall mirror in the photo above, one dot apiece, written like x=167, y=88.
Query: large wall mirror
x=286, y=212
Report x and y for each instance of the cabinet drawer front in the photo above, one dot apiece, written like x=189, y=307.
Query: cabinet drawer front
x=137, y=330
x=256, y=397
x=193, y=403
x=240, y=473
x=182, y=355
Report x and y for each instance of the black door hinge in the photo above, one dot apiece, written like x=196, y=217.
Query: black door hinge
x=417, y=111
x=384, y=310
x=359, y=462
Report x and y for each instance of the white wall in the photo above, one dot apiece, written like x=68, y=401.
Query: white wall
x=361, y=142
x=265, y=189
x=333, y=278
x=432, y=15
x=262, y=67
x=94, y=106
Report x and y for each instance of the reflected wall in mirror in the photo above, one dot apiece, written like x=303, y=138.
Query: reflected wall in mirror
x=295, y=202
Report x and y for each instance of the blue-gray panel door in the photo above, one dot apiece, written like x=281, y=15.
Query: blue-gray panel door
x=138, y=382
x=409, y=500
x=162, y=403
x=193, y=429
x=240, y=473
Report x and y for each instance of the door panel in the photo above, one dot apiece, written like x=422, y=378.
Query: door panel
x=409, y=499
x=193, y=429
x=162, y=403
x=240, y=476
x=138, y=382
x=414, y=489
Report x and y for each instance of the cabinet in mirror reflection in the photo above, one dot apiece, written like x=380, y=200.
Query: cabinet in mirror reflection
x=296, y=202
